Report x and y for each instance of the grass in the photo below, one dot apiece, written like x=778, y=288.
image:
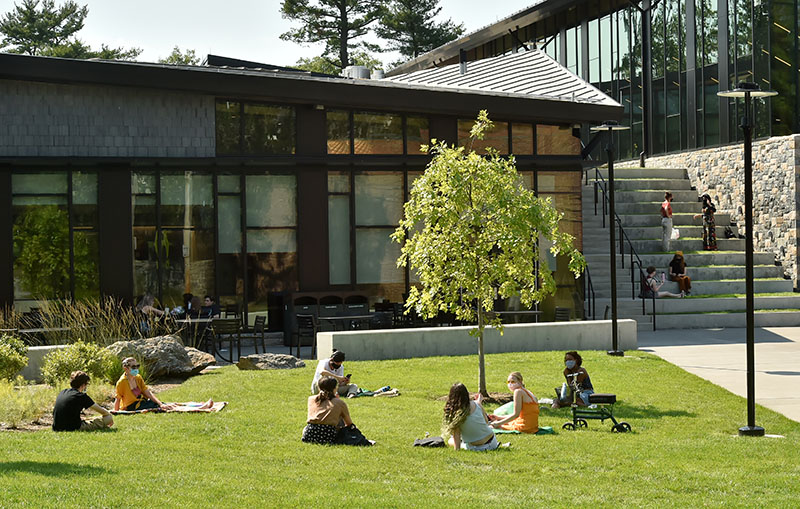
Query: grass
x=682, y=452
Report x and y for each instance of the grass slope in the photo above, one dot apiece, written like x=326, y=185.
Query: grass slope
x=682, y=452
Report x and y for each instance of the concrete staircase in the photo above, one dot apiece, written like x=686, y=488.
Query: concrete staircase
x=715, y=274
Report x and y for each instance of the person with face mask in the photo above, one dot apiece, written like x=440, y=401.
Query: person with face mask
x=526, y=408
x=132, y=393
x=71, y=402
x=578, y=379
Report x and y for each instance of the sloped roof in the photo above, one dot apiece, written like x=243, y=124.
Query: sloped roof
x=531, y=73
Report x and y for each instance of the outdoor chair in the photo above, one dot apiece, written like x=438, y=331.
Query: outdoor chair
x=258, y=330
x=230, y=329
x=232, y=311
x=306, y=328
x=562, y=314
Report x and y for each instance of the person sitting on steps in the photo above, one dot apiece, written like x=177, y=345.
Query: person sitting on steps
x=677, y=272
x=653, y=286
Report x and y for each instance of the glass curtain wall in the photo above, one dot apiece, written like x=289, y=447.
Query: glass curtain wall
x=54, y=236
x=762, y=46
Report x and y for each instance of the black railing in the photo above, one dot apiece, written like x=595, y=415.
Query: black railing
x=635, y=261
x=589, y=297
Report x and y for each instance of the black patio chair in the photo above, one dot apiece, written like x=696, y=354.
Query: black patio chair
x=258, y=330
x=230, y=329
x=306, y=327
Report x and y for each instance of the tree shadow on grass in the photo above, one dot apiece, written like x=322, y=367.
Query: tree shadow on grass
x=51, y=468
x=623, y=411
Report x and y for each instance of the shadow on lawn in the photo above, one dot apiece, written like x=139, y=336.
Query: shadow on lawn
x=623, y=412
x=51, y=468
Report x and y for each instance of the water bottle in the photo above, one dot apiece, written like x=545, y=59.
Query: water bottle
x=383, y=389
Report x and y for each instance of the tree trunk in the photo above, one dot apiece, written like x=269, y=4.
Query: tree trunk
x=481, y=364
x=344, y=33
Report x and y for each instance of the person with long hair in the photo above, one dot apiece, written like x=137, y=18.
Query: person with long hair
x=677, y=272
x=709, y=224
x=326, y=413
x=577, y=378
x=466, y=423
x=526, y=408
x=653, y=286
x=666, y=221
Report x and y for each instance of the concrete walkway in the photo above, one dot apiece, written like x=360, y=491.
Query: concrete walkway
x=719, y=356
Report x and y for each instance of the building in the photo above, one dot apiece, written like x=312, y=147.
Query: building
x=249, y=182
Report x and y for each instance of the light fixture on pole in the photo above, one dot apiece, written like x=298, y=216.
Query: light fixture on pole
x=748, y=91
x=609, y=127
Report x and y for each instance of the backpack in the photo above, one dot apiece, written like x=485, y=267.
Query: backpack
x=646, y=290
x=350, y=435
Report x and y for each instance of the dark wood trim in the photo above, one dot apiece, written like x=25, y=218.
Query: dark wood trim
x=7, y=246
x=114, y=223
x=312, y=230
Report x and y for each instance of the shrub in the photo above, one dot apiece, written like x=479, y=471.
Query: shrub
x=24, y=403
x=95, y=360
x=13, y=356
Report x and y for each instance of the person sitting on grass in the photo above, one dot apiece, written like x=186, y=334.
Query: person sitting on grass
x=653, y=286
x=578, y=379
x=132, y=393
x=466, y=423
x=71, y=402
x=326, y=414
x=333, y=368
x=526, y=408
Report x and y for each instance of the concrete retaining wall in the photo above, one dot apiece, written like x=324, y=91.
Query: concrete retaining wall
x=435, y=341
x=36, y=354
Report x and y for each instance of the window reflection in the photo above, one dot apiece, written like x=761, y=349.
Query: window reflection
x=417, y=134
x=338, y=123
x=556, y=140
x=377, y=133
x=497, y=138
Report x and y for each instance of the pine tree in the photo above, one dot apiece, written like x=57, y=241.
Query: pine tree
x=31, y=30
x=410, y=25
x=336, y=23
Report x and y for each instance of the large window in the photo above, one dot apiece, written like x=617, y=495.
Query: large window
x=54, y=235
x=254, y=128
x=497, y=138
x=556, y=140
x=378, y=133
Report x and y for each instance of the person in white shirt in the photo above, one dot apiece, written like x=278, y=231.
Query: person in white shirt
x=333, y=367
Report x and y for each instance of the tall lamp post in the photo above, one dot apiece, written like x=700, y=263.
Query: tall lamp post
x=609, y=127
x=747, y=91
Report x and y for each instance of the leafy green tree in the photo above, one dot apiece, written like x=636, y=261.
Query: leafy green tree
x=412, y=30
x=336, y=23
x=179, y=57
x=471, y=232
x=38, y=27
x=327, y=66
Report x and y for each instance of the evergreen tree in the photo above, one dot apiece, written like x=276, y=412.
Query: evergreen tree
x=336, y=23
x=410, y=26
x=327, y=66
x=38, y=27
x=178, y=57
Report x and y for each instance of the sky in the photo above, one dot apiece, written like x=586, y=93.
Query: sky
x=245, y=29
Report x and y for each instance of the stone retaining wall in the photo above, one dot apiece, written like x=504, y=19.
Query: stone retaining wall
x=436, y=341
x=719, y=172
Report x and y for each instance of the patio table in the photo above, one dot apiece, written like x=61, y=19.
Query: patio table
x=344, y=319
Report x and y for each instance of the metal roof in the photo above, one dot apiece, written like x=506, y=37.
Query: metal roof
x=529, y=73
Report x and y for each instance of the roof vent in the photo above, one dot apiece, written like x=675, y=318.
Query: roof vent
x=356, y=72
x=377, y=74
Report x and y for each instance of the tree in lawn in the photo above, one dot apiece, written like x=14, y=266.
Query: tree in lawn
x=470, y=231
x=38, y=27
x=336, y=23
x=410, y=27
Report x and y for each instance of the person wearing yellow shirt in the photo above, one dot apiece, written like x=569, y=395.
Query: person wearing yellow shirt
x=132, y=393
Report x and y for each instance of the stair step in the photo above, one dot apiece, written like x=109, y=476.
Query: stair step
x=622, y=196
x=654, y=218
x=637, y=173
x=692, y=259
x=655, y=246
x=648, y=183
x=655, y=207
x=700, y=287
x=719, y=320
x=629, y=308
x=701, y=273
x=642, y=232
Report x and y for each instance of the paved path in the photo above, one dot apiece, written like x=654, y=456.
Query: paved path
x=719, y=356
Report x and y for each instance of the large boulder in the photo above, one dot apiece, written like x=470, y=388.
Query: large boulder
x=200, y=360
x=162, y=356
x=270, y=361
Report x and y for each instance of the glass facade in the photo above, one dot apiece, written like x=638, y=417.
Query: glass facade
x=254, y=128
x=697, y=48
x=375, y=133
x=54, y=235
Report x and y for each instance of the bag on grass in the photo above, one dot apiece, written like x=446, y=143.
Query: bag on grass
x=429, y=442
x=350, y=435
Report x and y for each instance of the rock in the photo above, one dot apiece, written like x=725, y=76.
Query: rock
x=200, y=360
x=270, y=361
x=162, y=356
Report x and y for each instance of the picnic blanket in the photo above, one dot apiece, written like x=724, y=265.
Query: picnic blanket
x=185, y=407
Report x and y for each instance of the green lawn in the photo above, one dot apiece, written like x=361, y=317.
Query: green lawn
x=683, y=450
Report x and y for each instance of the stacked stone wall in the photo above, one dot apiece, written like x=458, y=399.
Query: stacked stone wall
x=56, y=120
x=719, y=172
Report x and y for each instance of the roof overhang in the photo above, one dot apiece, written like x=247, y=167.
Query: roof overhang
x=381, y=95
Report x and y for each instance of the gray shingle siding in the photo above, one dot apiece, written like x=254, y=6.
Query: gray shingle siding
x=42, y=119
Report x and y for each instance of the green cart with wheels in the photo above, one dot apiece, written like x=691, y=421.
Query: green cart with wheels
x=601, y=406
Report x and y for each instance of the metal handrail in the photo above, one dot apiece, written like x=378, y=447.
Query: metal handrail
x=588, y=294
x=623, y=237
